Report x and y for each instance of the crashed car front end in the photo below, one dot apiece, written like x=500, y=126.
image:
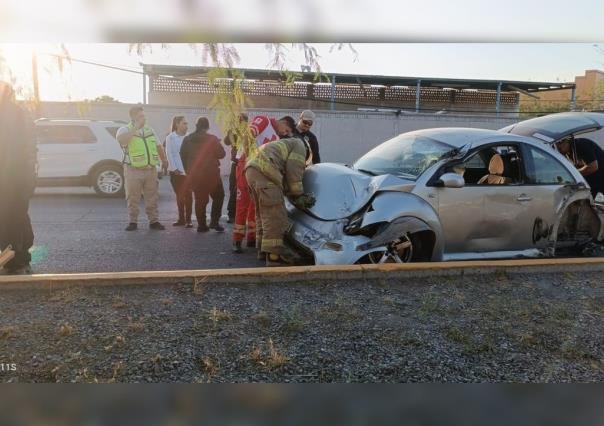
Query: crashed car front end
x=325, y=241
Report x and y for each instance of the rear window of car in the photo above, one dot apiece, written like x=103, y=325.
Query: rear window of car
x=112, y=131
x=70, y=134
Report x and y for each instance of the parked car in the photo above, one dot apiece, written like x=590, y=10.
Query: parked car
x=80, y=153
x=452, y=193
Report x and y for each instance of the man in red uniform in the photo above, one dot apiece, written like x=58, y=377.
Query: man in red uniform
x=264, y=130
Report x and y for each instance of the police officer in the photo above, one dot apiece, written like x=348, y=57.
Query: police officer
x=143, y=152
x=275, y=171
x=17, y=181
x=588, y=157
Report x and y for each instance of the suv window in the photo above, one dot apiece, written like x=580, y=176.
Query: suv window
x=543, y=169
x=112, y=131
x=64, y=134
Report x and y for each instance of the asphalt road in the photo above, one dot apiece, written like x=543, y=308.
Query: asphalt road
x=77, y=231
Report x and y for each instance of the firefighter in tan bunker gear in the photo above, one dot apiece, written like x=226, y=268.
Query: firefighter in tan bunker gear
x=274, y=172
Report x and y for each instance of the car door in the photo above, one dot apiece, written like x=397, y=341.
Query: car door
x=64, y=150
x=482, y=217
x=553, y=127
x=547, y=184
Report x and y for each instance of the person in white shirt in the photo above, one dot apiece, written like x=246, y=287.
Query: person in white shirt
x=176, y=169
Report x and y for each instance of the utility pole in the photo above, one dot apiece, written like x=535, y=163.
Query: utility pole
x=34, y=75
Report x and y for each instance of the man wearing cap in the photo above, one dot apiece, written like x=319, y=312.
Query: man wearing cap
x=302, y=131
x=588, y=157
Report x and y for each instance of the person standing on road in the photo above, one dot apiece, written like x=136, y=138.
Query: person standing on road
x=276, y=171
x=302, y=131
x=184, y=197
x=264, y=130
x=588, y=157
x=229, y=140
x=143, y=152
x=200, y=154
x=17, y=180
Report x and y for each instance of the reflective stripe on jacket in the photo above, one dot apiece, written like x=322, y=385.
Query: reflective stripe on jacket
x=142, y=150
x=283, y=162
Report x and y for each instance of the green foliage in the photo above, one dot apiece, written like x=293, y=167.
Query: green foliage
x=228, y=103
x=106, y=99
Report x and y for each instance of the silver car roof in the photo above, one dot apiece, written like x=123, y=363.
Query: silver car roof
x=457, y=136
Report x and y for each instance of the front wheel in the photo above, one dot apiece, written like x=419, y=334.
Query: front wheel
x=398, y=251
x=108, y=180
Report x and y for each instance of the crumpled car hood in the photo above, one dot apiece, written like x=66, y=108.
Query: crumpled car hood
x=341, y=191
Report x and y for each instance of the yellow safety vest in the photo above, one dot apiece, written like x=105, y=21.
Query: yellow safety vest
x=142, y=150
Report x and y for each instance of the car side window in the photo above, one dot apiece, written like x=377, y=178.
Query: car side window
x=544, y=169
x=65, y=135
x=494, y=165
x=112, y=131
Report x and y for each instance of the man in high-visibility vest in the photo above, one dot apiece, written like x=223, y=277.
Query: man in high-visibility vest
x=274, y=172
x=143, y=152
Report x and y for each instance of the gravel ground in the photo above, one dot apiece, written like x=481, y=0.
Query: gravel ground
x=490, y=328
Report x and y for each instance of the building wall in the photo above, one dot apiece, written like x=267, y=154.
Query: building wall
x=343, y=136
x=586, y=85
x=347, y=97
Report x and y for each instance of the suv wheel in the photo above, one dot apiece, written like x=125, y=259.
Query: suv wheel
x=108, y=180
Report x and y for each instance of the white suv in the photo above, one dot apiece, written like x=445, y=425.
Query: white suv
x=80, y=153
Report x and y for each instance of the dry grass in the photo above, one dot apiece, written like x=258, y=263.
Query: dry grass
x=294, y=323
x=167, y=301
x=262, y=318
x=276, y=359
x=65, y=330
x=118, y=303
x=457, y=335
x=199, y=285
x=118, y=369
x=135, y=326
x=218, y=315
x=66, y=295
x=209, y=366
x=7, y=332
x=389, y=300
x=256, y=356
x=271, y=358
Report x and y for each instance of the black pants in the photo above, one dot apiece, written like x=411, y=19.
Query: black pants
x=15, y=230
x=231, y=207
x=184, y=197
x=213, y=188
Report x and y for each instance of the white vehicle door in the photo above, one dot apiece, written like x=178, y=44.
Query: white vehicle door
x=65, y=150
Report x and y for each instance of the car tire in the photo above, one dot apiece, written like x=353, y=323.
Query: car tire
x=108, y=180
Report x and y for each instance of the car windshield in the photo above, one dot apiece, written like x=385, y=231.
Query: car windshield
x=407, y=155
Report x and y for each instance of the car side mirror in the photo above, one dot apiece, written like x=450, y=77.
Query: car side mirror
x=451, y=180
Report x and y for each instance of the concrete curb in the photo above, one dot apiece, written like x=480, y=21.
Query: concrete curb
x=306, y=274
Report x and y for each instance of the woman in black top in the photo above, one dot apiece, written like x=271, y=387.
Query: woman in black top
x=200, y=153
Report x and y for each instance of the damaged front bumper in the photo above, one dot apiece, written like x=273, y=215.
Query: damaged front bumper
x=326, y=241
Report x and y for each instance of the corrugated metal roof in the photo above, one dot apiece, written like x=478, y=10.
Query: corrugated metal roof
x=382, y=80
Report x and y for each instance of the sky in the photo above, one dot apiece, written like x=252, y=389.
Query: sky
x=551, y=62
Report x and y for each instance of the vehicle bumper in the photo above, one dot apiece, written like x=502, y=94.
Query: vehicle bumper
x=325, y=241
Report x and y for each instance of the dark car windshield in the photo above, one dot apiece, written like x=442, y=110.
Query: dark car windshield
x=407, y=155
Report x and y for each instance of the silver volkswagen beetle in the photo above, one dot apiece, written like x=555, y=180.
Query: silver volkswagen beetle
x=452, y=193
